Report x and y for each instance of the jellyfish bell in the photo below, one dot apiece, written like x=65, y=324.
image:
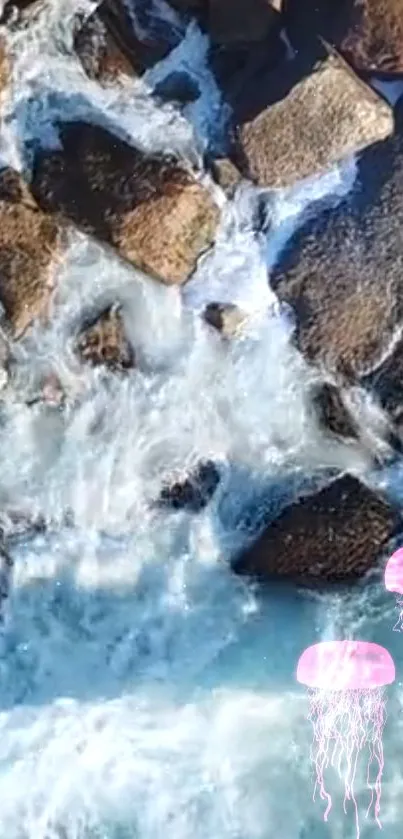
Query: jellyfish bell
x=394, y=572
x=348, y=712
x=346, y=665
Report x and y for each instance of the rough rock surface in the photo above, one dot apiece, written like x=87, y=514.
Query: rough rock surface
x=342, y=271
x=368, y=32
x=152, y=211
x=29, y=242
x=334, y=535
x=104, y=342
x=193, y=492
x=325, y=117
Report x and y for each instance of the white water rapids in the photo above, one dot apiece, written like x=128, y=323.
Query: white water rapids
x=145, y=691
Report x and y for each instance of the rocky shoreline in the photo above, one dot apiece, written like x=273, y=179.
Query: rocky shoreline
x=300, y=101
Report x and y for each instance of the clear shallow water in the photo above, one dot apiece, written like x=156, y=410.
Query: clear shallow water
x=145, y=692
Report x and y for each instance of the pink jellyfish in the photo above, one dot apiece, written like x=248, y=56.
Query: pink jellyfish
x=394, y=582
x=348, y=712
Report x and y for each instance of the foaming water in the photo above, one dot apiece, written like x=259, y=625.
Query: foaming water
x=144, y=690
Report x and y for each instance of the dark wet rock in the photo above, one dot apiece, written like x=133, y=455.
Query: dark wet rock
x=362, y=426
x=6, y=570
x=104, y=342
x=242, y=21
x=11, y=7
x=226, y=318
x=177, y=87
x=29, y=248
x=152, y=211
x=188, y=5
x=342, y=272
x=386, y=380
x=335, y=535
x=100, y=55
x=243, y=68
x=109, y=46
x=331, y=411
x=324, y=117
x=193, y=492
x=368, y=32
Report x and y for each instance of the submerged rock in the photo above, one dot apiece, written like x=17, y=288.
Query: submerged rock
x=104, y=342
x=108, y=45
x=368, y=32
x=154, y=212
x=335, y=535
x=324, y=117
x=29, y=247
x=194, y=492
x=226, y=318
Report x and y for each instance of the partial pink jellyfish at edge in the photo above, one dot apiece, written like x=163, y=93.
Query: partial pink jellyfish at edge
x=394, y=582
x=348, y=712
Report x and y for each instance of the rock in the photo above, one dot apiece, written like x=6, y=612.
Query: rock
x=242, y=68
x=332, y=413
x=335, y=535
x=365, y=429
x=100, y=56
x=226, y=174
x=177, y=86
x=368, y=32
x=193, y=492
x=386, y=380
x=225, y=317
x=4, y=65
x=341, y=273
x=156, y=215
x=240, y=21
x=20, y=6
x=29, y=246
x=325, y=117
x=190, y=6
x=104, y=342
x=108, y=45
x=374, y=40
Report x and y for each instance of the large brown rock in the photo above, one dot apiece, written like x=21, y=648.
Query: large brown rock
x=334, y=535
x=342, y=271
x=156, y=215
x=109, y=47
x=103, y=341
x=29, y=247
x=368, y=32
x=324, y=117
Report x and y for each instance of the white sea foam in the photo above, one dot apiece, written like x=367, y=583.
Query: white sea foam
x=146, y=692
